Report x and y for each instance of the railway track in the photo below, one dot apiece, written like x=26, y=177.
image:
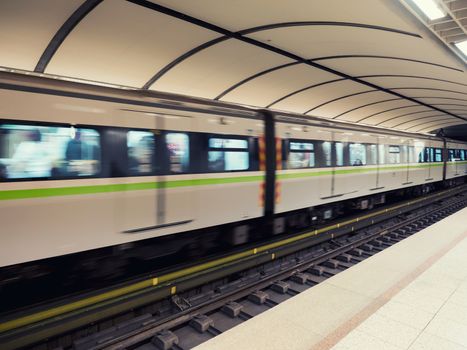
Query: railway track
x=185, y=318
x=206, y=315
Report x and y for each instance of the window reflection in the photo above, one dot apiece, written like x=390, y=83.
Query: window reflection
x=227, y=161
x=178, y=147
x=228, y=155
x=327, y=153
x=438, y=155
x=140, y=152
x=357, y=154
x=372, y=154
x=301, y=155
x=394, y=155
x=299, y=160
x=30, y=151
x=339, y=154
x=382, y=154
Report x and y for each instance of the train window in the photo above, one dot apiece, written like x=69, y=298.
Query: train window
x=339, y=154
x=462, y=154
x=301, y=146
x=228, y=155
x=140, y=146
x=394, y=155
x=381, y=154
x=419, y=152
x=228, y=143
x=327, y=150
x=31, y=151
x=438, y=155
x=372, y=154
x=428, y=155
x=301, y=155
x=404, y=154
x=357, y=154
x=451, y=155
x=412, y=157
x=178, y=146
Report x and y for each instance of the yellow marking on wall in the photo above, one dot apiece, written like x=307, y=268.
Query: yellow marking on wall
x=173, y=290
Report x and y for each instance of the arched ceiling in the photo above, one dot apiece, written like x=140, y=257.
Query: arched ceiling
x=361, y=61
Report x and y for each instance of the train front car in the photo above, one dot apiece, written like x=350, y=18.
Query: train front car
x=84, y=168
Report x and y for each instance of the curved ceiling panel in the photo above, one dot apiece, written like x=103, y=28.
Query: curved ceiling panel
x=434, y=100
x=364, y=61
x=392, y=111
x=414, y=91
x=122, y=43
x=263, y=90
x=392, y=82
x=362, y=112
x=347, y=102
x=420, y=121
x=26, y=28
x=315, y=41
x=215, y=69
x=406, y=117
x=361, y=66
x=318, y=93
x=431, y=126
x=241, y=14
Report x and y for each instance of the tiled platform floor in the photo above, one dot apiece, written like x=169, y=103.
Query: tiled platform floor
x=412, y=295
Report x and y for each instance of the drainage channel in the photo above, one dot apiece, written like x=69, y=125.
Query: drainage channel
x=191, y=318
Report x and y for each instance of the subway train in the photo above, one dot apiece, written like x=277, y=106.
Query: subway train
x=107, y=176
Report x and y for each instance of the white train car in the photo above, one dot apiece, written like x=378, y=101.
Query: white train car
x=325, y=164
x=146, y=175
x=81, y=174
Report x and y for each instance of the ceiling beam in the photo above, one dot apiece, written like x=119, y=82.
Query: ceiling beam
x=63, y=32
x=276, y=50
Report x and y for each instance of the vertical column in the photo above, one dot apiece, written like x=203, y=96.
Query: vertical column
x=270, y=165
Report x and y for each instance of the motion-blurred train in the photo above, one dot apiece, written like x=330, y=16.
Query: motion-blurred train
x=143, y=175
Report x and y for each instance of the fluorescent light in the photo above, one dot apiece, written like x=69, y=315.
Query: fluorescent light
x=430, y=8
x=462, y=46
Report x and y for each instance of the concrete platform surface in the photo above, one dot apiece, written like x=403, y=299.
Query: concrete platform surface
x=412, y=295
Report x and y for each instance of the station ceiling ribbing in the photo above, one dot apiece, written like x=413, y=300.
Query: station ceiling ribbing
x=362, y=61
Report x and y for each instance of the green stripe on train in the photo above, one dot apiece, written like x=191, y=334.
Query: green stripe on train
x=77, y=190
x=356, y=170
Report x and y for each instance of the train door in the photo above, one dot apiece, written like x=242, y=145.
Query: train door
x=395, y=156
x=176, y=193
x=407, y=156
x=429, y=158
x=372, y=160
x=341, y=180
x=138, y=196
x=325, y=162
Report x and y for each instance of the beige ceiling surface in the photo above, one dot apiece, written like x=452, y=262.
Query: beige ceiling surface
x=365, y=61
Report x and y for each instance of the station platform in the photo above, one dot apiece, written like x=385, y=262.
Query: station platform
x=412, y=295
